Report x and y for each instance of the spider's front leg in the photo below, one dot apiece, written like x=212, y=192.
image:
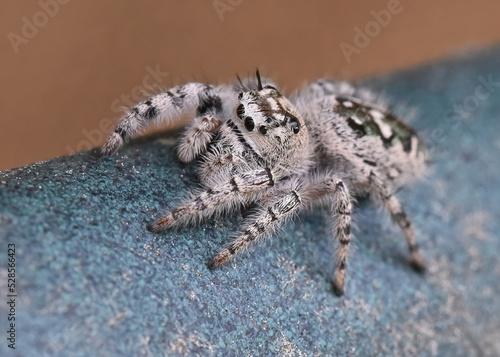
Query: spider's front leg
x=268, y=219
x=218, y=198
x=273, y=215
x=167, y=106
x=197, y=136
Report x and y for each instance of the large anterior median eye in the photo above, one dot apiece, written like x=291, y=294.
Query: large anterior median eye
x=249, y=124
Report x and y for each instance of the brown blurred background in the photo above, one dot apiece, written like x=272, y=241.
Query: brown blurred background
x=68, y=65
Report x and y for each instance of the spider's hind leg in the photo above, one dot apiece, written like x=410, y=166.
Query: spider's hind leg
x=398, y=215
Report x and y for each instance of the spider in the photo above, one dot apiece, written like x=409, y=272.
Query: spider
x=320, y=147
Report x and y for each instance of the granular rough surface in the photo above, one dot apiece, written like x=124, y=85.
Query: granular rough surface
x=92, y=281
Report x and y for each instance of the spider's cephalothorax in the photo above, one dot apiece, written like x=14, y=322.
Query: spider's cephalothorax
x=316, y=149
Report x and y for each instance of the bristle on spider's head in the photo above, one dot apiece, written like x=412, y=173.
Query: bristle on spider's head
x=243, y=86
x=259, y=82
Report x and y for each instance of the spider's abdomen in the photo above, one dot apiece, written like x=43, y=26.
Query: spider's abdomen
x=355, y=138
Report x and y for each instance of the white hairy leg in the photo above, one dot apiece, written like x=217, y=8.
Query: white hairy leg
x=227, y=194
x=167, y=107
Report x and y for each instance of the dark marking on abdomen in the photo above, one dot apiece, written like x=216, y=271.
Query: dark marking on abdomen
x=357, y=113
x=357, y=128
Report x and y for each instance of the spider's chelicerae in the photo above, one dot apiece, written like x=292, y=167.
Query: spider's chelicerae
x=319, y=147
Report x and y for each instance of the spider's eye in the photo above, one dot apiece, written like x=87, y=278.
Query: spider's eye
x=294, y=124
x=240, y=111
x=263, y=129
x=240, y=96
x=249, y=124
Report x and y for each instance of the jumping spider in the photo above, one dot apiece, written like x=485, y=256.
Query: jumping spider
x=320, y=147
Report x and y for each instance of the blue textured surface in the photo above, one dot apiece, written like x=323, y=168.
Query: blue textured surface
x=93, y=281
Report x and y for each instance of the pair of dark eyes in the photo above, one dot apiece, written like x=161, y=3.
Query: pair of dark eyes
x=248, y=121
x=250, y=124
